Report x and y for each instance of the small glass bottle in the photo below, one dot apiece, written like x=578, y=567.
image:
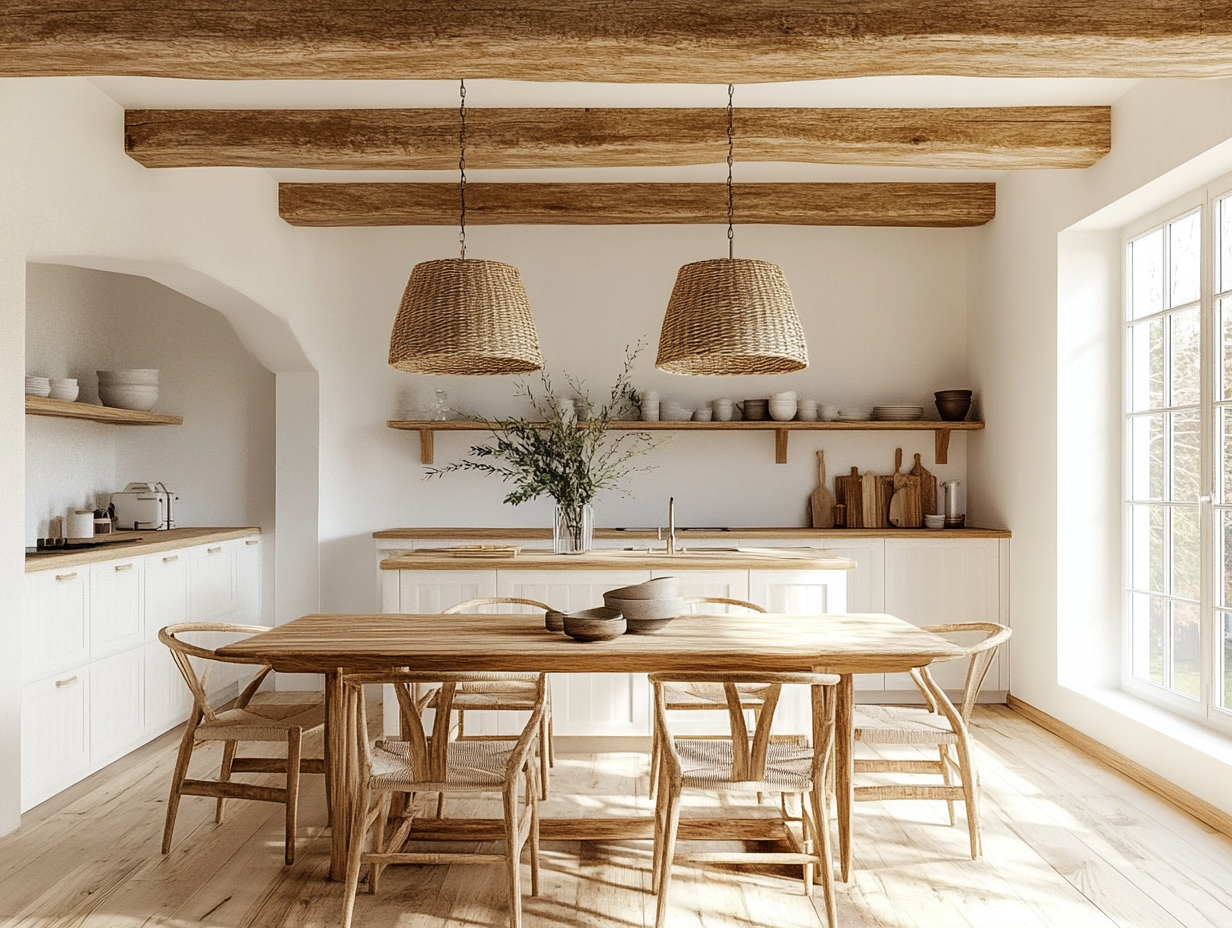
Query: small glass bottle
x=440, y=406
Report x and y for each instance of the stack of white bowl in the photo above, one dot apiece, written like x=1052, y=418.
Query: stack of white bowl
x=64, y=388
x=129, y=389
x=37, y=386
x=783, y=406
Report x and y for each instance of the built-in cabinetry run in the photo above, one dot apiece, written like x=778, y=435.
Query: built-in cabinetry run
x=927, y=578
x=96, y=682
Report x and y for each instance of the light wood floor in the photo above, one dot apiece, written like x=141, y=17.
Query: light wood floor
x=1067, y=843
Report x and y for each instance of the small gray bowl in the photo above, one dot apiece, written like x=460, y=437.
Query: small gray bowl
x=658, y=588
x=600, y=624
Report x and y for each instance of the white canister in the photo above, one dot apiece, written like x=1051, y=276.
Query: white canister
x=807, y=411
x=723, y=410
x=828, y=412
x=79, y=524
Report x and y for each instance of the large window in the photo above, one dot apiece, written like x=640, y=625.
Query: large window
x=1178, y=475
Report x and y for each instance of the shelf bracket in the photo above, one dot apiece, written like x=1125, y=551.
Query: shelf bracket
x=941, y=449
x=780, y=445
x=426, y=449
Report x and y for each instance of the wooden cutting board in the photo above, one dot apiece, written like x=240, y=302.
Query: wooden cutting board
x=905, y=511
x=872, y=494
x=821, y=503
x=928, y=487
x=848, y=490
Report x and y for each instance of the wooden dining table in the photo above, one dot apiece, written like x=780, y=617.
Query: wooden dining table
x=843, y=644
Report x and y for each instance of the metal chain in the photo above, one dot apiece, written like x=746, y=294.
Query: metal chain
x=730, y=135
x=462, y=165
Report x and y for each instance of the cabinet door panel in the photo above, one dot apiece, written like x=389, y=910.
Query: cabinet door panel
x=931, y=582
x=248, y=582
x=429, y=591
x=55, y=739
x=116, y=706
x=55, y=623
x=116, y=621
x=586, y=703
x=167, y=700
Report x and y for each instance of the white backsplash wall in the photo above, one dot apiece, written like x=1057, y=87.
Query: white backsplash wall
x=220, y=461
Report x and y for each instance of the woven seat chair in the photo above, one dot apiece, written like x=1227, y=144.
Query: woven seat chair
x=705, y=696
x=940, y=724
x=749, y=764
x=435, y=764
x=285, y=718
x=503, y=691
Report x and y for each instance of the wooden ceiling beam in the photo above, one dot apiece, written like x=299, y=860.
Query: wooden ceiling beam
x=934, y=205
x=648, y=41
x=427, y=139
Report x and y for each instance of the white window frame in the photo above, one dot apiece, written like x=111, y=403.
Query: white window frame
x=1205, y=708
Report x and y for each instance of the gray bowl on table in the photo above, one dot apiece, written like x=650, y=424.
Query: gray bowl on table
x=600, y=624
x=645, y=616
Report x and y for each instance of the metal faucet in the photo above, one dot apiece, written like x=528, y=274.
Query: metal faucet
x=671, y=525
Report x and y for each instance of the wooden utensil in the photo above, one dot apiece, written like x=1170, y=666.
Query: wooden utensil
x=928, y=487
x=849, y=493
x=822, y=500
x=871, y=495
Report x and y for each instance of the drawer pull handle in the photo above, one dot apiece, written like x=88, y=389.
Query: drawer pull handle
x=69, y=681
x=213, y=550
x=172, y=559
x=72, y=576
x=120, y=567
x=252, y=541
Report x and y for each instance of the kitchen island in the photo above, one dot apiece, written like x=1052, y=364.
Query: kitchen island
x=800, y=580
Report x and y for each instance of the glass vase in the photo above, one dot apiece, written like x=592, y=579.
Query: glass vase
x=572, y=529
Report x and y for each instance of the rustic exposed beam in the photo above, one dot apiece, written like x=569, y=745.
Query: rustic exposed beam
x=616, y=40
x=427, y=139
x=942, y=205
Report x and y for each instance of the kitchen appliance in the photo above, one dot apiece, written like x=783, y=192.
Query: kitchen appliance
x=144, y=507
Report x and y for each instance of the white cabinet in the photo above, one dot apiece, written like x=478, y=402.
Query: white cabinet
x=55, y=631
x=934, y=582
x=430, y=591
x=97, y=681
x=115, y=606
x=55, y=734
x=117, y=705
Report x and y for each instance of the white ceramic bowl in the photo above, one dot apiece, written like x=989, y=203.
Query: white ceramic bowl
x=934, y=521
x=670, y=412
x=38, y=386
x=145, y=376
x=128, y=396
x=782, y=410
x=787, y=395
x=64, y=388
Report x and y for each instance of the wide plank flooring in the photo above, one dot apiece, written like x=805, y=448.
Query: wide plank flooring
x=1068, y=843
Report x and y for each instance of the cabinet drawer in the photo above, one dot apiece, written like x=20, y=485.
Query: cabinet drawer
x=55, y=734
x=55, y=624
x=116, y=621
x=166, y=591
x=211, y=582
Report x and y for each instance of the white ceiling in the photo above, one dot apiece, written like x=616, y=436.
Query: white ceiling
x=165, y=93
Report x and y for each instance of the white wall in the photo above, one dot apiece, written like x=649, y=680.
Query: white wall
x=885, y=312
x=220, y=461
x=1045, y=447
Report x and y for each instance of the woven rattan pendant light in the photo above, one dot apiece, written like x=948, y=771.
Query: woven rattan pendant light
x=463, y=316
x=729, y=315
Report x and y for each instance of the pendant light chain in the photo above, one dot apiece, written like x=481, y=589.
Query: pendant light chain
x=731, y=89
x=462, y=165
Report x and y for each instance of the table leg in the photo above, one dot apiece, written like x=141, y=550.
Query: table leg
x=339, y=780
x=844, y=769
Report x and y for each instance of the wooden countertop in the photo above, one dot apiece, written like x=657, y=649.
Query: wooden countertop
x=467, y=533
x=615, y=559
x=136, y=544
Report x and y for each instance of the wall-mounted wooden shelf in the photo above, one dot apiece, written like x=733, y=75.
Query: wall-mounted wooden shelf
x=63, y=409
x=941, y=431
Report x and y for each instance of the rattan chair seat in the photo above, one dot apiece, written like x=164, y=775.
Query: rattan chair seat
x=473, y=765
x=710, y=695
x=901, y=725
x=262, y=722
x=707, y=764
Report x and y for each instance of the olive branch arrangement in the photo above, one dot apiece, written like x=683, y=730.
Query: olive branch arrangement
x=564, y=454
